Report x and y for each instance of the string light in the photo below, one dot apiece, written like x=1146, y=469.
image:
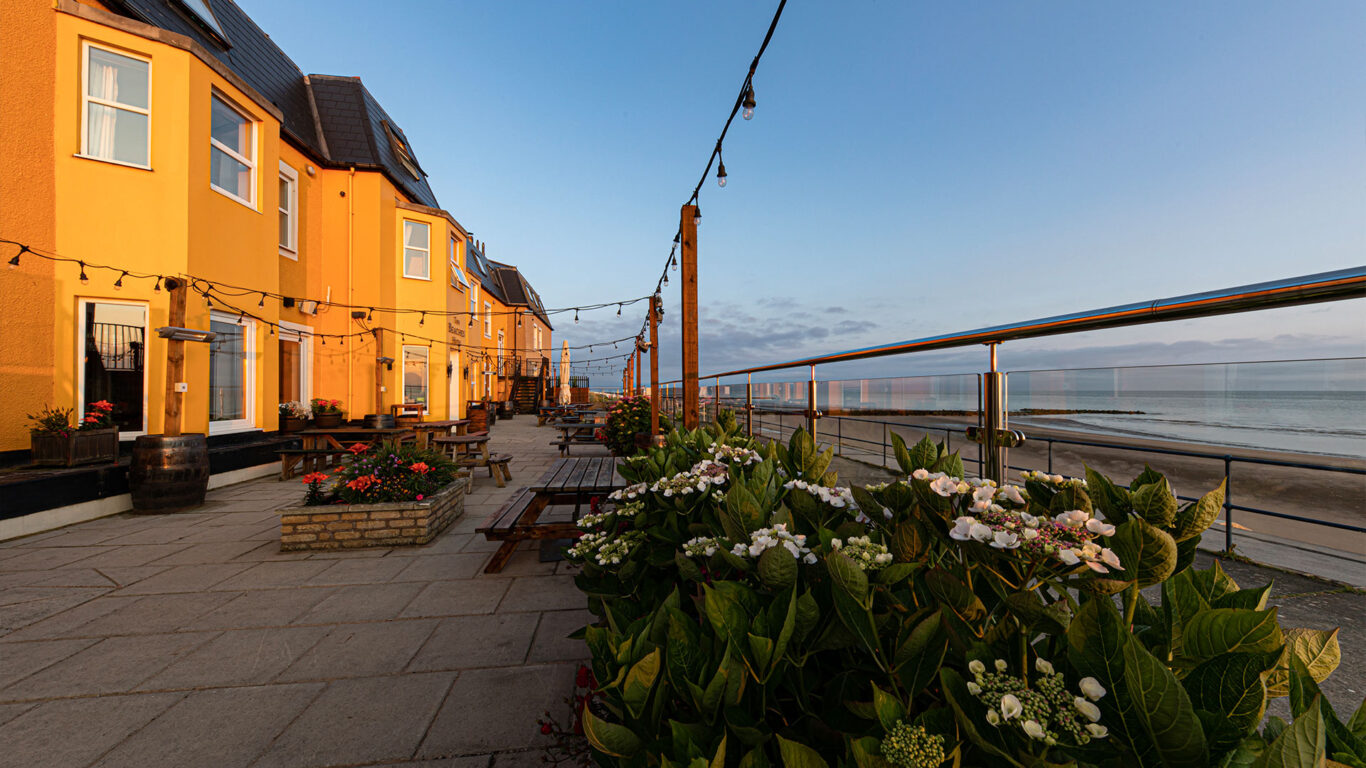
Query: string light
x=157, y=288
x=262, y=302
x=119, y=282
x=749, y=103
x=721, y=174
x=576, y=317
x=84, y=280
x=697, y=216
x=14, y=262
x=422, y=320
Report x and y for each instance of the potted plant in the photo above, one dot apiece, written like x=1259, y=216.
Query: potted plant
x=326, y=413
x=384, y=496
x=294, y=416
x=628, y=426
x=53, y=440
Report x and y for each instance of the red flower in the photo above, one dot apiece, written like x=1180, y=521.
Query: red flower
x=91, y=419
x=545, y=728
x=103, y=405
x=315, y=477
x=420, y=467
x=362, y=482
x=358, y=448
x=584, y=677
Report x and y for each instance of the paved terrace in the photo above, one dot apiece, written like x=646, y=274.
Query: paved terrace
x=191, y=639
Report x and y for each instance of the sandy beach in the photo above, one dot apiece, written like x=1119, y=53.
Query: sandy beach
x=1319, y=495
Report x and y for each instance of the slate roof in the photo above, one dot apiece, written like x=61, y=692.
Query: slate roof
x=347, y=113
x=518, y=291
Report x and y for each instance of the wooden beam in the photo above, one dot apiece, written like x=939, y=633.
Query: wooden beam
x=688, y=275
x=654, y=365
x=637, y=367
x=379, y=371
x=175, y=358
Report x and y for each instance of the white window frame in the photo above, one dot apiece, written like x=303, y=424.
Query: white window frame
x=86, y=98
x=488, y=320
x=247, y=423
x=427, y=377
x=502, y=371
x=291, y=250
x=304, y=335
x=474, y=301
x=403, y=248
x=250, y=162
x=81, y=305
x=457, y=275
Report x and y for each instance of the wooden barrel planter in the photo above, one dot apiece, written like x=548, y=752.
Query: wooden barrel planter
x=168, y=474
x=478, y=415
x=327, y=420
x=291, y=424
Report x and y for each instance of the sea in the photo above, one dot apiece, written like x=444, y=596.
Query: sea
x=1308, y=406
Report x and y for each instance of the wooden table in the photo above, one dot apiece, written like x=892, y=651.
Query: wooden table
x=426, y=430
x=466, y=444
x=568, y=481
x=320, y=443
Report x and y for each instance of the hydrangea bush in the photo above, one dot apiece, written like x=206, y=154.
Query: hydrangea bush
x=752, y=613
x=626, y=418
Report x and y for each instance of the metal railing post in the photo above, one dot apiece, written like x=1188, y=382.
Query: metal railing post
x=1228, y=506
x=749, y=404
x=884, y=443
x=811, y=404
x=994, y=421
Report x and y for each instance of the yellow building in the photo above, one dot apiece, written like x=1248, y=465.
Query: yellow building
x=173, y=138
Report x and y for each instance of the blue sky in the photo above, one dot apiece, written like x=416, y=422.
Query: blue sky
x=912, y=168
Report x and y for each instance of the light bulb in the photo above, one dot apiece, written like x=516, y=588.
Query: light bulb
x=721, y=176
x=576, y=316
x=84, y=280
x=748, y=114
x=119, y=282
x=675, y=266
x=697, y=217
x=748, y=103
x=157, y=288
x=14, y=262
x=422, y=320
x=262, y=302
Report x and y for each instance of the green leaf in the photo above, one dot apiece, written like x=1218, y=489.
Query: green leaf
x=889, y=710
x=866, y=752
x=949, y=591
x=609, y=738
x=1357, y=725
x=785, y=632
x=903, y=456
x=727, y=616
x=1163, y=708
x=1029, y=608
x=1155, y=503
x=1147, y=553
x=857, y=619
x=971, y=716
x=1248, y=751
x=924, y=454
x=1304, y=695
x=1230, y=630
x=1247, y=599
x=716, y=689
x=1317, y=649
x=1181, y=602
x=951, y=465
x=719, y=759
x=777, y=568
x=1193, y=519
x=808, y=616
x=761, y=649
x=1230, y=687
x=1299, y=746
x=918, y=658
x=1148, y=477
x=798, y=755
x=847, y=575
x=1111, y=500
x=636, y=688
x=896, y=573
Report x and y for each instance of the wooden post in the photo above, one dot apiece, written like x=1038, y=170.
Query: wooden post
x=637, y=367
x=175, y=358
x=654, y=365
x=688, y=261
x=379, y=371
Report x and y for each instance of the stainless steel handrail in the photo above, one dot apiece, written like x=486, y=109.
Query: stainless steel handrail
x=1308, y=289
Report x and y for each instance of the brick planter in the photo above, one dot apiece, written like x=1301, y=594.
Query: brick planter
x=347, y=526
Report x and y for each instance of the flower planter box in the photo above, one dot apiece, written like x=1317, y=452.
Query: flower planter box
x=348, y=526
x=291, y=424
x=327, y=420
x=88, y=446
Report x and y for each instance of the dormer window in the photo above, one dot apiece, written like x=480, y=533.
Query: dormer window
x=402, y=150
x=200, y=11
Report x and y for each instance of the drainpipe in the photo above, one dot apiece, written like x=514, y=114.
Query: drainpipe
x=350, y=281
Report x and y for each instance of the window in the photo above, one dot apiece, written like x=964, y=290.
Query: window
x=502, y=362
x=457, y=275
x=488, y=320
x=289, y=212
x=232, y=152
x=231, y=370
x=474, y=304
x=116, y=109
x=402, y=150
x=296, y=382
x=417, y=250
x=204, y=14
x=415, y=376
x=113, y=354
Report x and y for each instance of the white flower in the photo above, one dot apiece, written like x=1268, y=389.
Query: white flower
x=976, y=667
x=944, y=486
x=1091, y=711
x=1092, y=688
x=980, y=532
x=974, y=688
x=1072, y=518
x=1029, y=534
x=1055, y=478
x=886, y=513
x=1033, y=729
x=1108, y=557
x=1011, y=494
x=979, y=506
x=1001, y=665
x=993, y=718
x=920, y=474
x=1044, y=666
x=963, y=487
x=836, y=544
x=1097, y=731
x=1068, y=556
x=1094, y=525
x=810, y=558
x=1029, y=520
x=1005, y=540
x=961, y=526
x=1010, y=706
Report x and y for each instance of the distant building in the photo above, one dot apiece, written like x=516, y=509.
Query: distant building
x=173, y=137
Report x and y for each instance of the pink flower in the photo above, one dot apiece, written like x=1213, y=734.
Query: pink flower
x=419, y=497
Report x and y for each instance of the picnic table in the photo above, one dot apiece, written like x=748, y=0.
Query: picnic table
x=319, y=444
x=580, y=433
x=427, y=430
x=472, y=450
x=568, y=481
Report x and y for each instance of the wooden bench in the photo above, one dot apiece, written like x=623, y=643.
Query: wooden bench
x=564, y=444
x=291, y=458
x=515, y=522
x=497, y=465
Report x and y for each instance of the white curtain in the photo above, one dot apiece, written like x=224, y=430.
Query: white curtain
x=102, y=118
